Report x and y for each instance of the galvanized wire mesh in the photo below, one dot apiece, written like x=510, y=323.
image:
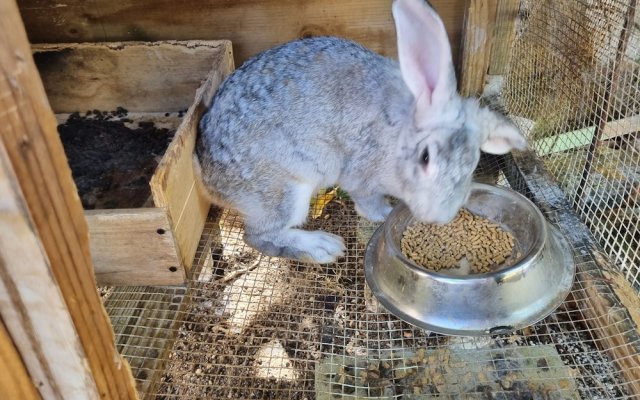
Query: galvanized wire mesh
x=573, y=85
x=248, y=326
x=253, y=327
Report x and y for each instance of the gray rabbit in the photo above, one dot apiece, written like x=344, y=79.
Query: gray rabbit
x=322, y=111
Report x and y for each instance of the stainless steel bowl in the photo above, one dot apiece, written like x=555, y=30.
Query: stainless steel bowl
x=503, y=300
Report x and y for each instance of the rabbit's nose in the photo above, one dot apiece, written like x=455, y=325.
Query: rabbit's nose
x=444, y=217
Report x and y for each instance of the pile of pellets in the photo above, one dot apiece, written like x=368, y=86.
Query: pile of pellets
x=435, y=247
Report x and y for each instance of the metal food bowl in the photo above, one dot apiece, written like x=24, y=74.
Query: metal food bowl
x=508, y=298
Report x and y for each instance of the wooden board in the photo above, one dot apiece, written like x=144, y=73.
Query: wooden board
x=15, y=382
x=583, y=137
x=28, y=133
x=251, y=25
x=130, y=246
x=141, y=77
x=505, y=35
x=31, y=305
x=479, y=30
x=174, y=185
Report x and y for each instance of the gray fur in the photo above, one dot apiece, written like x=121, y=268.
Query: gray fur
x=322, y=111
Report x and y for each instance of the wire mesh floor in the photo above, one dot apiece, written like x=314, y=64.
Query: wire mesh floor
x=254, y=327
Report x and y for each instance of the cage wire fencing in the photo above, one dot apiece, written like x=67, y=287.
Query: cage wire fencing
x=573, y=86
x=248, y=326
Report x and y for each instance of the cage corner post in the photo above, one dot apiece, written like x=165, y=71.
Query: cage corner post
x=49, y=274
x=477, y=40
x=16, y=382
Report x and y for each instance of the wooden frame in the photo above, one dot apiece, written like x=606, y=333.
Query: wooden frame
x=147, y=246
x=477, y=41
x=252, y=26
x=31, y=304
x=48, y=210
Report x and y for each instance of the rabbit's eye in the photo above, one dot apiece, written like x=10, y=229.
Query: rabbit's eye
x=424, y=158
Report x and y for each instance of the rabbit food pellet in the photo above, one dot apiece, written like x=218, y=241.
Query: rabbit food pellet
x=483, y=243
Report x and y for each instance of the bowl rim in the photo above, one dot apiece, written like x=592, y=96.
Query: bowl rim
x=534, y=252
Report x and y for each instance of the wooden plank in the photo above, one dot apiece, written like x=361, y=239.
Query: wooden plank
x=31, y=304
x=15, y=382
x=161, y=120
x=583, y=137
x=251, y=25
x=134, y=247
x=28, y=132
x=141, y=77
x=174, y=185
x=189, y=227
x=506, y=16
x=478, y=34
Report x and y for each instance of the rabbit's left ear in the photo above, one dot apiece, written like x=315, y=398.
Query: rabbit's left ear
x=499, y=135
x=424, y=54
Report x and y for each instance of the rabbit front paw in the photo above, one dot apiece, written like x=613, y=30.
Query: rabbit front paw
x=320, y=247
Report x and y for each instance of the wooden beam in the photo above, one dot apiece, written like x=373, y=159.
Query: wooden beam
x=478, y=34
x=506, y=16
x=28, y=132
x=141, y=77
x=174, y=185
x=15, y=382
x=31, y=305
x=251, y=25
x=583, y=137
x=132, y=247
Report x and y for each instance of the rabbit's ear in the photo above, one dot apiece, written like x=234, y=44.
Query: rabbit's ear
x=424, y=54
x=499, y=135
x=502, y=139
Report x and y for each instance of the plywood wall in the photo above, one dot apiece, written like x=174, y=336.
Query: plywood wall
x=252, y=25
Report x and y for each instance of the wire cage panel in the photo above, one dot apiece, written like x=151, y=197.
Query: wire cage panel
x=249, y=326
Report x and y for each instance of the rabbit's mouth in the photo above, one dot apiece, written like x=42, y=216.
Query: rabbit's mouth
x=443, y=219
x=435, y=215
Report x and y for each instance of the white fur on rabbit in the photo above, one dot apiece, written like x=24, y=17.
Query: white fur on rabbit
x=323, y=111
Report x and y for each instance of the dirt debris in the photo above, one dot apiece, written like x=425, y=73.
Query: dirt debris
x=272, y=361
x=325, y=321
x=112, y=158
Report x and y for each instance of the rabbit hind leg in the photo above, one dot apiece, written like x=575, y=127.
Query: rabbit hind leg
x=270, y=228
